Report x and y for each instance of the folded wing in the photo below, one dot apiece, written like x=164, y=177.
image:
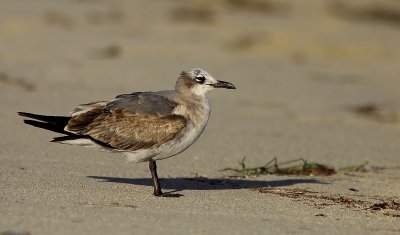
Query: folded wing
x=130, y=122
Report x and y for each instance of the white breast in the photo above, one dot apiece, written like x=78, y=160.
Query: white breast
x=197, y=121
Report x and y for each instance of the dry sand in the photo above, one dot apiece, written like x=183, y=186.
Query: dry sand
x=301, y=69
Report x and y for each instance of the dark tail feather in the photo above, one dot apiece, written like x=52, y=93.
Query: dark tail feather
x=47, y=126
x=57, y=124
x=51, y=123
x=55, y=120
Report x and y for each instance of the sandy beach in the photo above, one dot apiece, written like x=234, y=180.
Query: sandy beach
x=318, y=81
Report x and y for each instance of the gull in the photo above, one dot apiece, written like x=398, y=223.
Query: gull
x=144, y=126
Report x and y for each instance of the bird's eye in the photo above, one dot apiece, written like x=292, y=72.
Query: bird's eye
x=200, y=79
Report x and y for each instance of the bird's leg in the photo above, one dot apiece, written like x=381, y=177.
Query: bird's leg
x=154, y=176
x=156, y=182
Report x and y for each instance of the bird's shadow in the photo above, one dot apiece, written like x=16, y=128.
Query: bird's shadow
x=201, y=183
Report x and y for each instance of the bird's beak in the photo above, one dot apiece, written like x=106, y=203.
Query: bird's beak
x=222, y=84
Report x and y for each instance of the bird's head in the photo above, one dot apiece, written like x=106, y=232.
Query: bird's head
x=198, y=82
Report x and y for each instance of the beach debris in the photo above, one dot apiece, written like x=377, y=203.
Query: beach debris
x=389, y=206
x=296, y=193
x=273, y=167
x=364, y=168
x=377, y=112
x=357, y=168
x=321, y=215
x=393, y=205
x=111, y=204
x=117, y=204
x=396, y=215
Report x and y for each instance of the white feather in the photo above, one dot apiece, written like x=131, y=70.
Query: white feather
x=80, y=142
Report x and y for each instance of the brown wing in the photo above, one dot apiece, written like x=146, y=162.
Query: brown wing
x=123, y=126
x=83, y=115
x=124, y=131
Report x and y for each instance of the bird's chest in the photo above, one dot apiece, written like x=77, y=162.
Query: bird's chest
x=195, y=126
x=196, y=123
x=191, y=133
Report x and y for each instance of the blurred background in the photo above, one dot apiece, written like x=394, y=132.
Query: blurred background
x=316, y=79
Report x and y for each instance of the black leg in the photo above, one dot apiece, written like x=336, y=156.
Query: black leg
x=156, y=182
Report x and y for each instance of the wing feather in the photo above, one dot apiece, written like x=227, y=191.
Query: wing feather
x=131, y=122
x=128, y=132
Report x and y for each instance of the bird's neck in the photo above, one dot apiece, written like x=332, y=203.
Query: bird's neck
x=197, y=108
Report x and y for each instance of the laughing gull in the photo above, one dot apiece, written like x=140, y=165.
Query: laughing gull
x=144, y=126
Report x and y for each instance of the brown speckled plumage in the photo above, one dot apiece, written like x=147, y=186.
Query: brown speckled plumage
x=124, y=130
x=136, y=125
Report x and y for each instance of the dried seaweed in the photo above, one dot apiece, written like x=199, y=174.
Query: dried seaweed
x=356, y=168
x=391, y=207
x=273, y=167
